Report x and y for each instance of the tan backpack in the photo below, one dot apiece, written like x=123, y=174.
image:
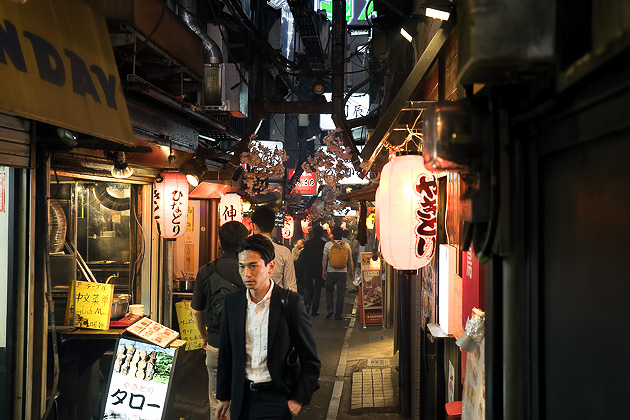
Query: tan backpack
x=338, y=256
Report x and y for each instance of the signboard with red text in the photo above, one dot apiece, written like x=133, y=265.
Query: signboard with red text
x=307, y=184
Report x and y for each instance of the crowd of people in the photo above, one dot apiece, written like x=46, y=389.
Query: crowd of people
x=252, y=307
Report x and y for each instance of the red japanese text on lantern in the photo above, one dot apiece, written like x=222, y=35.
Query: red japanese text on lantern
x=170, y=203
x=288, y=227
x=426, y=214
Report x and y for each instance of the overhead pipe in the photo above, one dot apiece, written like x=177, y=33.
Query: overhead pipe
x=212, y=51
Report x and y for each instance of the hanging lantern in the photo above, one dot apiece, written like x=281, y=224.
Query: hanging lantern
x=288, y=227
x=170, y=203
x=306, y=226
x=230, y=208
x=247, y=221
x=377, y=222
x=407, y=205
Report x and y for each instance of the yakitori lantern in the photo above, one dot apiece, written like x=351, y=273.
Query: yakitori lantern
x=407, y=206
x=170, y=203
x=306, y=226
x=230, y=208
x=288, y=227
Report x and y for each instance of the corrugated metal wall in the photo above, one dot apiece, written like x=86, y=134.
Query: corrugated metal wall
x=15, y=141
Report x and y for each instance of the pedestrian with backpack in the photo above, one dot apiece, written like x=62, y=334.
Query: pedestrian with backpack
x=214, y=281
x=336, y=264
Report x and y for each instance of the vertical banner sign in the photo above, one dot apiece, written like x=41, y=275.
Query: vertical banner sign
x=371, y=291
x=93, y=304
x=187, y=326
x=140, y=381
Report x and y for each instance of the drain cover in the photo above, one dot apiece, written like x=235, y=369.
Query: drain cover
x=376, y=338
x=377, y=362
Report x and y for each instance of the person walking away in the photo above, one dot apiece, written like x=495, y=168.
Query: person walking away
x=263, y=222
x=310, y=263
x=226, y=266
x=295, y=253
x=336, y=264
x=261, y=328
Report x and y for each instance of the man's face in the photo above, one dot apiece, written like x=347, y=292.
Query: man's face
x=254, y=272
x=300, y=244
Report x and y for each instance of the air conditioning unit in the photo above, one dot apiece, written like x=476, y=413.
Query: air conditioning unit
x=224, y=90
x=503, y=40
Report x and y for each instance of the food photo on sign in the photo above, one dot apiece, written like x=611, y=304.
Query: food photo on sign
x=140, y=379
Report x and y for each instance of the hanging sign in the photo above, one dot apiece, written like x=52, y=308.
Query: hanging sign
x=307, y=183
x=140, y=381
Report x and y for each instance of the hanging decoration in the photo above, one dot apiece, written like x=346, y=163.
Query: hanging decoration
x=407, y=206
x=170, y=203
x=288, y=227
x=306, y=225
x=331, y=166
x=260, y=165
x=230, y=208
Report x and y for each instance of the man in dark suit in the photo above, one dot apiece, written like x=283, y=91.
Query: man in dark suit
x=310, y=263
x=254, y=380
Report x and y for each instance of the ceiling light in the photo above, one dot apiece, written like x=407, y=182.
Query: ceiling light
x=406, y=34
x=192, y=179
x=437, y=13
x=121, y=169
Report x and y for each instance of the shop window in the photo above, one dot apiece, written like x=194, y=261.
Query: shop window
x=91, y=233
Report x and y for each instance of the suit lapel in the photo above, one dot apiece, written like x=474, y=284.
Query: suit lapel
x=240, y=323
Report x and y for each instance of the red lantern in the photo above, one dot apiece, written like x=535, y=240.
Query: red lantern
x=230, y=208
x=288, y=227
x=306, y=226
x=170, y=203
x=407, y=204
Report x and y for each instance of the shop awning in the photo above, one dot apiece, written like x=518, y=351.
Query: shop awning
x=57, y=66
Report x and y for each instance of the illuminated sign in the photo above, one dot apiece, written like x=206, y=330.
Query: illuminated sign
x=357, y=11
x=306, y=185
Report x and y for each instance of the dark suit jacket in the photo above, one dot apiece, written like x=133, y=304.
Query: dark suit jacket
x=231, y=366
x=310, y=259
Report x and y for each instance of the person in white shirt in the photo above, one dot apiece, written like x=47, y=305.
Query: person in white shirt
x=262, y=327
x=263, y=222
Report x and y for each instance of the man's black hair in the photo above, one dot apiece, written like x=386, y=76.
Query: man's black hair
x=260, y=244
x=346, y=233
x=264, y=218
x=231, y=234
x=337, y=232
x=318, y=231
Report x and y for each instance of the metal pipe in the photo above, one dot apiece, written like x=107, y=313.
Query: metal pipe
x=213, y=52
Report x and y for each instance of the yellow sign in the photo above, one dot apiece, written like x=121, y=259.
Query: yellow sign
x=187, y=326
x=93, y=304
x=57, y=65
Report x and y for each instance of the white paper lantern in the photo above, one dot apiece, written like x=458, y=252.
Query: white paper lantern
x=407, y=207
x=306, y=225
x=170, y=203
x=288, y=227
x=230, y=208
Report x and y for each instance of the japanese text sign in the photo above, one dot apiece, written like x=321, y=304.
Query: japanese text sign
x=140, y=379
x=187, y=326
x=307, y=183
x=93, y=304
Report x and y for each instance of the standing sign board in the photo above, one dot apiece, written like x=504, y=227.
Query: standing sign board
x=140, y=381
x=92, y=303
x=370, y=291
x=187, y=326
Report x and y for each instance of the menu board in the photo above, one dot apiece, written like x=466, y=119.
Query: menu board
x=93, y=304
x=154, y=332
x=187, y=326
x=139, y=384
x=371, y=292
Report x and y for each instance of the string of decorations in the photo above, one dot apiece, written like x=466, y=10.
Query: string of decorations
x=262, y=164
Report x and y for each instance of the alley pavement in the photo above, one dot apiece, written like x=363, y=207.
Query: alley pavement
x=359, y=378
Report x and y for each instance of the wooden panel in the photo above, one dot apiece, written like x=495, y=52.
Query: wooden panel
x=15, y=141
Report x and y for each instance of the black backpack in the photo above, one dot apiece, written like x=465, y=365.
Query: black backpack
x=218, y=287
